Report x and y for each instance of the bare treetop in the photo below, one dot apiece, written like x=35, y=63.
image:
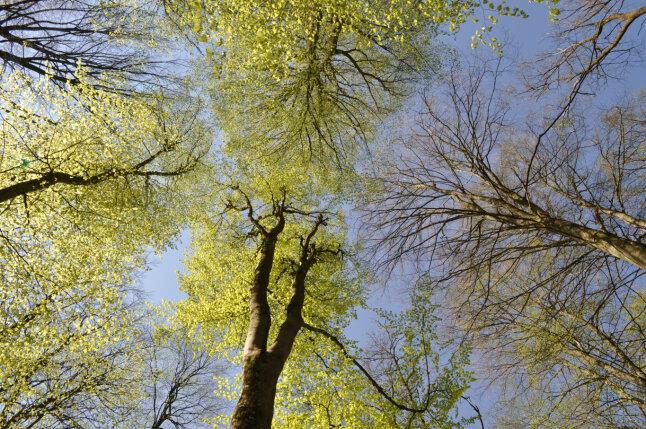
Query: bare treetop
x=55, y=37
x=544, y=269
x=594, y=40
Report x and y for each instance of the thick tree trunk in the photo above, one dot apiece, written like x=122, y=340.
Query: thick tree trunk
x=622, y=248
x=626, y=249
x=255, y=408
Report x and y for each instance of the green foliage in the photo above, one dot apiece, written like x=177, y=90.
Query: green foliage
x=322, y=386
x=318, y=75
x=224, y=251
x=320, y=380
x=71, y=244
x=89, y=182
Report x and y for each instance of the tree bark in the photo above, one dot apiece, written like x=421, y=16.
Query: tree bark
x=255, y=409
x=530, y=216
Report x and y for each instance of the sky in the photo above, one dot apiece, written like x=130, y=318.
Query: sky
x=522, y=38
x=161, y=281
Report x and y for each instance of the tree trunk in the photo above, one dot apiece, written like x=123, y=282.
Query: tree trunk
x=261, y=365
x=255, y=408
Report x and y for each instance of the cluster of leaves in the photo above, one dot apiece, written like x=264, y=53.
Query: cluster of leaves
x=318, y=75
x=86, y=180
x=224, y=251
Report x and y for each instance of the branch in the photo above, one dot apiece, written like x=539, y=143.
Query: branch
x=294, y=317
x=49, y=179
x=374, y=382
x=475, y=408
x=260, y=313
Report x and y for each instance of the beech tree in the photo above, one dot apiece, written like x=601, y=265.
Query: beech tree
x=270, y=276
x=537, y=227
x=291, y=79
x=316, y=74
x=86, y=179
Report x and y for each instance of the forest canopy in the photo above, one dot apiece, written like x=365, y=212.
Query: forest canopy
x=382, y=221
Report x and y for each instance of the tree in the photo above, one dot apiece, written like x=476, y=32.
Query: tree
x=595, y=41
x=87, y=180
x=547, y=269
x=539, y=229
x=592, y=39
x=315, y=74
x=177, y=379
x=269, y=268
x=81, y=136
x=292, y=79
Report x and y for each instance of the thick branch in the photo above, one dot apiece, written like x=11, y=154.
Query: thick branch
x=294, y=318
x=534, y=217
x=260, y=314
x=49, y=179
